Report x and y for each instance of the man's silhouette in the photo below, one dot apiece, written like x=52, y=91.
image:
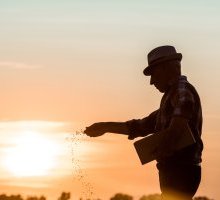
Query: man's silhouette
x=180, y=110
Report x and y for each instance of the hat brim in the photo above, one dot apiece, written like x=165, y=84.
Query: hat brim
x=148, y=70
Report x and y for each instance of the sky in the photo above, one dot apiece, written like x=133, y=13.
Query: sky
x=67, y=64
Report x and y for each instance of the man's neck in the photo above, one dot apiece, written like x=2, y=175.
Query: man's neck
x=174, y=79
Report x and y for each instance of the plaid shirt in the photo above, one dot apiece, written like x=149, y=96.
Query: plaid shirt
x=182, y=100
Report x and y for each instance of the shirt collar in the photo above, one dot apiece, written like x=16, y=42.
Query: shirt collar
x=176, y=81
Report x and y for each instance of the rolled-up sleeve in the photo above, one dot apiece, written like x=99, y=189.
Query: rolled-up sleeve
x=142, y=127
x=183, y=103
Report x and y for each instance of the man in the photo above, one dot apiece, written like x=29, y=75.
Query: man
x=179, y=111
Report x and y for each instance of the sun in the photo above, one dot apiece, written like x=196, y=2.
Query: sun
x=32, y=155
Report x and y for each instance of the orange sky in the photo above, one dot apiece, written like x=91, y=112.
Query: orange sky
x=65, y=65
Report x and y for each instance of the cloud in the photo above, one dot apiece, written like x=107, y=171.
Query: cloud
x=18, y=65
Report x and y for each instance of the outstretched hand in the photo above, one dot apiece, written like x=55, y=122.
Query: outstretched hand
x=96, y=129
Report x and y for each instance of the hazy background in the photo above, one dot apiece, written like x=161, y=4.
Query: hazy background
x=66, y=64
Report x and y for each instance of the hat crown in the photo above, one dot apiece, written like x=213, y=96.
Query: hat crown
x=160, y=52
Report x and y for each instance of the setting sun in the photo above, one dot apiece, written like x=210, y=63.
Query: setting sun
x=32, y=155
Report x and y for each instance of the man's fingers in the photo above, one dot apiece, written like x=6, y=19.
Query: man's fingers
x=93, y=133
x=95, y=130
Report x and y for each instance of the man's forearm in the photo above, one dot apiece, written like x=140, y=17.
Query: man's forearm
x=116, y=127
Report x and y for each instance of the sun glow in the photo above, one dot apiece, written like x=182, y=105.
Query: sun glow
x=31, y=155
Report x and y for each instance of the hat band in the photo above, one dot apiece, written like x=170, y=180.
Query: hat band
x=157, y=60
x=177, y=56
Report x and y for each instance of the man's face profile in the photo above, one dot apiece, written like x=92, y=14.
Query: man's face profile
x=159, y=78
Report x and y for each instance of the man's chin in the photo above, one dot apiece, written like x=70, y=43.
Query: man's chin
x=161, y=90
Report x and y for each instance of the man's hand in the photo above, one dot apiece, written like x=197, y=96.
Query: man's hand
x=167, y=145
x=172, y=139
x=96, y=129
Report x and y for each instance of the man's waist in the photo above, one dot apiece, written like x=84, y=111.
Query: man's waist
x=170, y=166
x=178, y=163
